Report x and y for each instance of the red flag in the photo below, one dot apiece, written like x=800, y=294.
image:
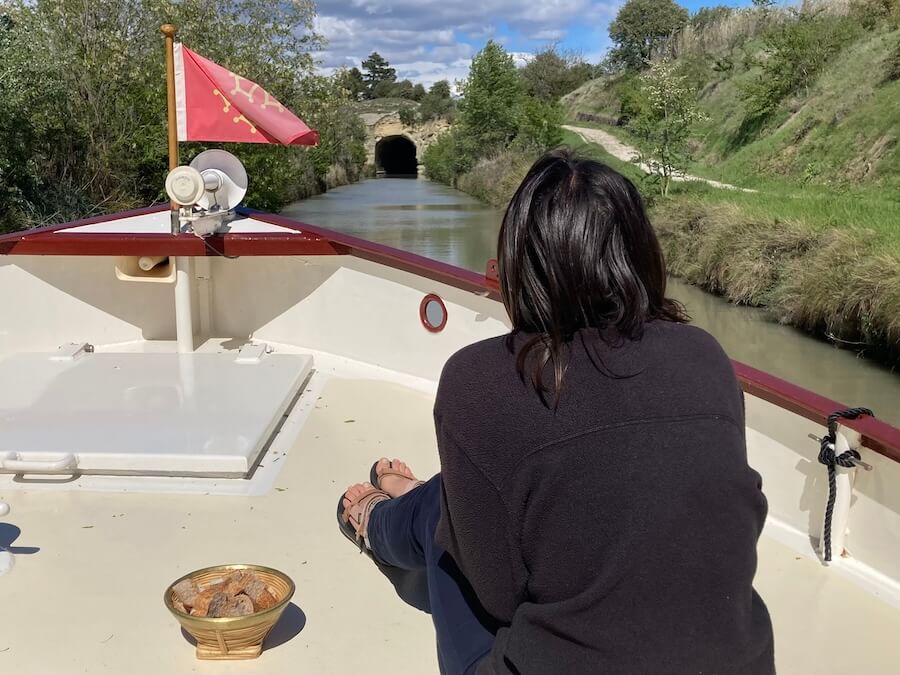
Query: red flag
x=214, y=104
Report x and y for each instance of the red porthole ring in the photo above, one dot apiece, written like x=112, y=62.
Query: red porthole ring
x=433, y=313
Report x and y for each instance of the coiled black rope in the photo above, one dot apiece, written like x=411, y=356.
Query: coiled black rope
x=828, y=457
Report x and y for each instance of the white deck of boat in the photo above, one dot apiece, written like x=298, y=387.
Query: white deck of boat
x=90, y=601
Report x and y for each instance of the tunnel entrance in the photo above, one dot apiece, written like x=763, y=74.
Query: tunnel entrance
x=396, y=156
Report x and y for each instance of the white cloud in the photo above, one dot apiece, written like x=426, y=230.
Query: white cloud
x=429, y=40
x=550, y=35
x=521, y=58
x=429, y=72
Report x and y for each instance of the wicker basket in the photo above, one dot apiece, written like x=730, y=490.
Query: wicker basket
x=239, y=637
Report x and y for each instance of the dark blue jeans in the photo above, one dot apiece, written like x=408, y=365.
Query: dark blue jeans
x=401, y=534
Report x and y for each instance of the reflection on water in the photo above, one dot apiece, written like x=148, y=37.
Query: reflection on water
x=748, y=336
x=414, y=215
x=445, y=224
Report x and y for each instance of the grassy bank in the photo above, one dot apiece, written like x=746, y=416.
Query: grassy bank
x=494, y=180
x=825, y=261
x=841, y=284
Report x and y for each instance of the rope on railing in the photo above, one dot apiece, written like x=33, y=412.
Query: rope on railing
x=831, y=459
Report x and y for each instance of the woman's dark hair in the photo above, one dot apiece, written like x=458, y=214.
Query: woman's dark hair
x=576, y=250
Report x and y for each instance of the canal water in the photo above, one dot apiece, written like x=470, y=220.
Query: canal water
x=448, y=225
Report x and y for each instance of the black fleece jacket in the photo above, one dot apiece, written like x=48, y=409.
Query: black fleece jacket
x=616, y=534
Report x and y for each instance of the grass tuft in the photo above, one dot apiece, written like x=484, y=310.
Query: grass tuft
x=728, y=252
x=834, y=283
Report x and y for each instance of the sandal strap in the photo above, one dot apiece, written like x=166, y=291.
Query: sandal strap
x=394, y=472
x=375, y=496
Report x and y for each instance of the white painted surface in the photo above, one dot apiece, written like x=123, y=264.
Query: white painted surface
x=148, y=223
x=341, y=305
x=109, y=552
x=47, y=301
x=184, y=313
x=7, y=562
x=161, y=223
x=251, y=225
x=796, y=487
x=145, y=413
x=109, y=557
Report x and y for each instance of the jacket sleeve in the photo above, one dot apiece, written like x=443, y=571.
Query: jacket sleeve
x=475, y=528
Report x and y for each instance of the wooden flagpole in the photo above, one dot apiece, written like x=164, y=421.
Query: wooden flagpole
x=169, y=31
x=184, y=315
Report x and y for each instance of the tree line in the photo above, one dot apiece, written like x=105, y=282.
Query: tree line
x=83, y=120
x=503, y=108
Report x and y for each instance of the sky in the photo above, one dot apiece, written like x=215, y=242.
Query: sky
x=430, y=40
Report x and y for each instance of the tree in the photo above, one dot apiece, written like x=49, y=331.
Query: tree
x=433, y=106
x=340, y=154
x=540, y=124
x=418, y=92
x=83, y=124
x=664, y=123
x=550, y=75
x=377, y=70
x=352, y=81
x=641, y=26
x=440, y=89
x=403, y=89
x=491, y=97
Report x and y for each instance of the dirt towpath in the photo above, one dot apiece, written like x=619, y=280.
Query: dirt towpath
x=628, y=153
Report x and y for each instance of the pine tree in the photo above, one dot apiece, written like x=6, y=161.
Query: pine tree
x=377, y=70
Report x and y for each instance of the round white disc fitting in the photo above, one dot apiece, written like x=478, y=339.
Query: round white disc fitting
x=185, y=185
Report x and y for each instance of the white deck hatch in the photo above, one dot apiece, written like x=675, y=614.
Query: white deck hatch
x=133, y=414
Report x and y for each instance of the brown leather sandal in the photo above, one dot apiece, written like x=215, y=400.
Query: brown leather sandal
x=374, y=476
x=352, y=527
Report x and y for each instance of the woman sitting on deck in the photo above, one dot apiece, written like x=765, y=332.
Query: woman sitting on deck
x=595, y=512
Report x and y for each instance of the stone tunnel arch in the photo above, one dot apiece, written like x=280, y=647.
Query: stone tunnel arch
x=396, y=156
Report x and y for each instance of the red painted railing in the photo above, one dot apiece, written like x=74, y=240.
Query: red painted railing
x=312, y=240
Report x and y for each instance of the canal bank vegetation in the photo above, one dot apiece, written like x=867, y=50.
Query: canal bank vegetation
x=507, y=117
x=83, y=120
x=798, y=103
x=376, y=90
x=782, y=251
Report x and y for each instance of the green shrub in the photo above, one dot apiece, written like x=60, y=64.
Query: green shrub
x=539, y=124
x=450, y=156
x=491, y=95
x=434, y=106
x=495, y=116
x=892, y=65
x=494, y=180
x=795, y=53
x=408, y=116
x=631, y=97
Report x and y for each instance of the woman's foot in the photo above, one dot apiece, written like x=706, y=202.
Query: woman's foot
x=395, y=477
x=357, y=511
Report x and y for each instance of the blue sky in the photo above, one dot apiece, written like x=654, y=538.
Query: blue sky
x=430, y=40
